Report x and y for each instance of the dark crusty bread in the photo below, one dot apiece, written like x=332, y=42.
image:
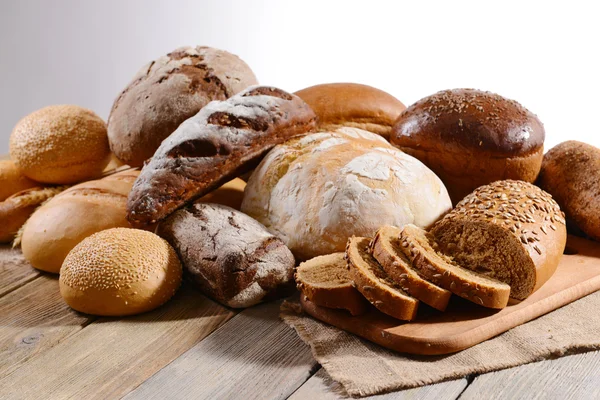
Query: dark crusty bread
x=571, y=174
x=224, y=140
x=387, y=251
x=325, y=281
x=509, y=230
x=371, y=280
x=442, y=271
x=354, y=105
x=230, y=256
x=471, y=138
x=168, y=91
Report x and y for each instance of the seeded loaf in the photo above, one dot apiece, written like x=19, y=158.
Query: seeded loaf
x=228, y=255
x=444, y=272
x=386, y=249
x=571, y=174
x=371, y=280
x=471, y=138
x=354, y=105
x=325, y=281
x=315, y=192
x=511, y=231
x=166, y=92
x=224, y=140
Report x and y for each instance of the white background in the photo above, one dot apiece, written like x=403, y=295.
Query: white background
x=543, y=54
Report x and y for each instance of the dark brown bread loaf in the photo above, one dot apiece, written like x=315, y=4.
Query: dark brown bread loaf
x=371, y=280
x=386, y=249
x=224, y=140
x=168, y=91
x=326, y=282
x=508, y=230
x=471, y=138
x=571, y=174
x=230, y=256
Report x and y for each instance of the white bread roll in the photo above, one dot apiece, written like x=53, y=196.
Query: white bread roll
x=316, y=191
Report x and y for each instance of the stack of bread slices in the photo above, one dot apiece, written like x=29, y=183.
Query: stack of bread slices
x=502, y=241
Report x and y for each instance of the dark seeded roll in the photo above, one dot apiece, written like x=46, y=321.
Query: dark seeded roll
x=470, y=138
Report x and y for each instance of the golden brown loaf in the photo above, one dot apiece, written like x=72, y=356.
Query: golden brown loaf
x=230, y=194
x=78, y=212
x=571, y=174
x=168, y=91
x=354, y=105
x=326, y=282
x=12, y=180
x=372, y=281
x=471, y=138
x=61, y=144
x=120, y=272
x=511, y=231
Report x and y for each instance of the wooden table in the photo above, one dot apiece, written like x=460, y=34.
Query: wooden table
x=195, y=348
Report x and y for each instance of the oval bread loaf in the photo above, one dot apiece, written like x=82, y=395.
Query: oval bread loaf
x=12, y=180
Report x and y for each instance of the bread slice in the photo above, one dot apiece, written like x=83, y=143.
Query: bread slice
x=386, y=250
x=443, y=271
x=371, y=280
x=326, y=282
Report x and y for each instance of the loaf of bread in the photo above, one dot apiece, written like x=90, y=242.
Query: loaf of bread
x=119, y=272
x=511, y=231
x=371, y=280
x=12, y=180
x=387, y=250
x=471, y=138
x=315, y=192
x=231, y=257
x=78, y=212
x=61, y=144
x=571, y=174
x=224, y=140
x=326, y=282
x=168, y=91
x=354, y=105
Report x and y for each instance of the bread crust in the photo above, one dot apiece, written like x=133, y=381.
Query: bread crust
x=12, y=181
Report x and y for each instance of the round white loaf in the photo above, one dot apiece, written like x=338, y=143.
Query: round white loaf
x=316, y=191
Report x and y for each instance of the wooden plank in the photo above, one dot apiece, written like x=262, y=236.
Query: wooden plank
x=571, y=377
x=14, y=270
x=320, y=386
x=253, y=356
x=112, y=356
x=34, y=319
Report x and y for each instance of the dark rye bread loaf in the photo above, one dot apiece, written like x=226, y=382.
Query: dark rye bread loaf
x=224, y=140
x=230, y=256
x=386, y=249
x=571, y=174
x=416, y=244
x=471, y=138
x=371, y=280
x=325, y=281
x=509, y=230
x=166, y=92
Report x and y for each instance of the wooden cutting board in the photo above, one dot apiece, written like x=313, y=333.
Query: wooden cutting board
x=465, y=324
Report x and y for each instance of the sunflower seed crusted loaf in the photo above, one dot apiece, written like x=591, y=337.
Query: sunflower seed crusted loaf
x=509, y=230
x=325, y=281
x=224, y=140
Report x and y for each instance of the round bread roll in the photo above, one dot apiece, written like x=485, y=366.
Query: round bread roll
x=120, y=272
x=62, y=144
x=12, y=181
x=78, y=212
x=571, y=174
x=168, y=91
x=471, y=138
x=353, y=105
x=315, y=192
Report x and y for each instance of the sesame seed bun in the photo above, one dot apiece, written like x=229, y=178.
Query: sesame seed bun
x=61, y=144
x=119, y=272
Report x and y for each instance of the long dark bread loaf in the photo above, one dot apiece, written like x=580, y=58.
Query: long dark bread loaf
x=224, y=140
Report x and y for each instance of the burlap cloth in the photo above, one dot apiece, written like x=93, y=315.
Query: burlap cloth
x=364, y=368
